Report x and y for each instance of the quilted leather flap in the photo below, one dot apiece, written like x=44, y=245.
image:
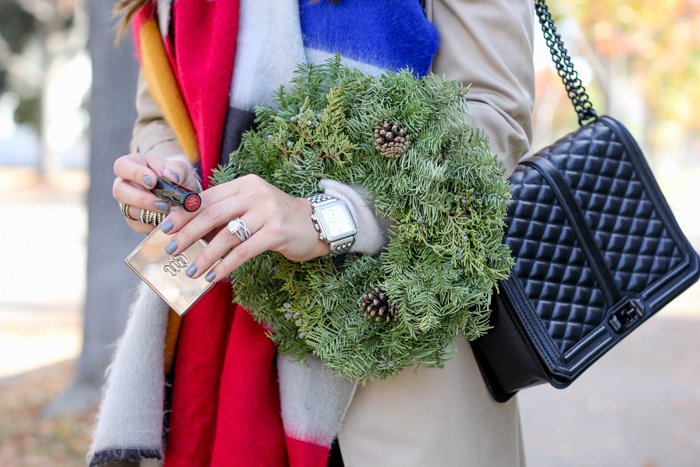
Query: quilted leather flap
x=633, y=233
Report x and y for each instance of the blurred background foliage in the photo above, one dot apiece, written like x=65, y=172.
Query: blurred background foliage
x=42, y=45
x=640, y=60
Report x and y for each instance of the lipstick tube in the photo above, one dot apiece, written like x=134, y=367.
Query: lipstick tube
x=176, y=194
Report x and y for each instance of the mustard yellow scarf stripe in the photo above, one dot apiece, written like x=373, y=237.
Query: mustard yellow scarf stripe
x=164, y=89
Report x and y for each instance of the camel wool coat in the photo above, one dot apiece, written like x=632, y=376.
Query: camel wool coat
x=435, y=417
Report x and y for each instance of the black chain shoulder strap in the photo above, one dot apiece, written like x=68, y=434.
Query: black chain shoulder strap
x=574, y=88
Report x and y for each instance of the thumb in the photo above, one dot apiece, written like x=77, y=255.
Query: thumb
x=181, y=173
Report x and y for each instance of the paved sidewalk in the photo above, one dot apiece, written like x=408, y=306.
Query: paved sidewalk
x=637, y=406
x=42, y=281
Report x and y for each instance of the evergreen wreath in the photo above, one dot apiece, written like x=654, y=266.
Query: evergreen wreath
x=440, y=185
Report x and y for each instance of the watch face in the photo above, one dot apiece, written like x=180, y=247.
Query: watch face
x=336, y=220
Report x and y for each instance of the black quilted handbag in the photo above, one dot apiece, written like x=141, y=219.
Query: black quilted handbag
x=596, y=246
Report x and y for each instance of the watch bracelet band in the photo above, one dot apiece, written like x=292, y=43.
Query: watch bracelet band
x=320, y=198
x=341, y=246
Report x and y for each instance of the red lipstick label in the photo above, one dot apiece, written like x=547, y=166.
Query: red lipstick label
x=192, y=203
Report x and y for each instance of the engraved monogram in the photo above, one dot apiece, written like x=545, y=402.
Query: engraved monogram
x=176, y=265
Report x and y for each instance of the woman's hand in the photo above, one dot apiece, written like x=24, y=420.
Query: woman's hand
x=136, y=174
x=276, y=220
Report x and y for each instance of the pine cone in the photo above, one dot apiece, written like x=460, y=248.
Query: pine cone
x=390, y=140
x=376, y=306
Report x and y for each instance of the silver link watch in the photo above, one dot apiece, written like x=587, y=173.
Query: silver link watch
x=333, y=222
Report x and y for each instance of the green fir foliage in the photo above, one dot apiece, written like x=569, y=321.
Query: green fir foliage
x=445, y=195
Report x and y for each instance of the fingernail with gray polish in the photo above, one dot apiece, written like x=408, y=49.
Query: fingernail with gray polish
x=191, y=270
x=170, y=247
x=211, y=276
x=147, y=181
x=163, y=206
x=167, y=226
x=177, y=177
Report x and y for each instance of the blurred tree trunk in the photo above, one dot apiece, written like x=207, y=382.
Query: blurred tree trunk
x=110, y=282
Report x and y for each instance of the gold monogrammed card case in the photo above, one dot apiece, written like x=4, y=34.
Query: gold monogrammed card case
x=165, y=274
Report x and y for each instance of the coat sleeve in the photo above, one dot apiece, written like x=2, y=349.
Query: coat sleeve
x=488, y=44
x=152, y=135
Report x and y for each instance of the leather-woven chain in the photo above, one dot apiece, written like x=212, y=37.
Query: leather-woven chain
x=574, y=88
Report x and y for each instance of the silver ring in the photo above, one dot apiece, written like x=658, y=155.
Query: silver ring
x=239, y=229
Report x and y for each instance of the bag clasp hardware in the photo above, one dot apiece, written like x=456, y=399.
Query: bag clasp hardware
x=629, y=313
